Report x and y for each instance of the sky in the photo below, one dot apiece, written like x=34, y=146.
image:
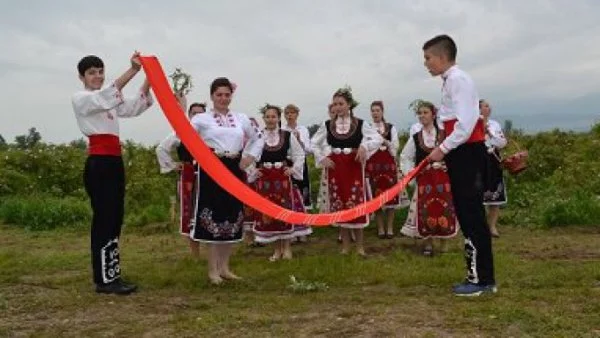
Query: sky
x=537, y=62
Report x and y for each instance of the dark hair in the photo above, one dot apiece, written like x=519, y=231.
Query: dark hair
x=196, y=104
x=428, y=105
x=87, y=62
x=346, y=94
x=267, y=107
x=379, y=104
x=220, y=82
x=442, y=44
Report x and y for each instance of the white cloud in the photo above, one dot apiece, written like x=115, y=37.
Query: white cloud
x=301, y=52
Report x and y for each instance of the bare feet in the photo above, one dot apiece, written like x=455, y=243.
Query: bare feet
x=215, y=279
x=230, y=275
x=494, y=232
x=361, y=252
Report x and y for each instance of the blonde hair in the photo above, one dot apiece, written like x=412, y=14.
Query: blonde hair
x=292, y=107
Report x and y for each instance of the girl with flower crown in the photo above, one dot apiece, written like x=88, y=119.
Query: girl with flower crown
x=281, y=160
x=431, y=213
x=341, y=147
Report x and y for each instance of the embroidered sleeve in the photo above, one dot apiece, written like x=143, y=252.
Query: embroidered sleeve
x=255, y=140
x=395, y=143
x=496, y=137
x=305, y=138
x=372, y=140
x=163, y=153
x=319, y=145
x=251, y=173
x=407, y=156
x=297, y=155
x=134, y=106
x=87, y=103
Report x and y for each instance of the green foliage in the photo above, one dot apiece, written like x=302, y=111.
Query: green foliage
x=560, y=187
x=44, y=212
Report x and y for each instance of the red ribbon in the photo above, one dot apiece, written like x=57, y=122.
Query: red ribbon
x=218, y=172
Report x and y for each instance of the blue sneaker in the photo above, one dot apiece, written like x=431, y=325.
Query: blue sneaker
x=473, y=290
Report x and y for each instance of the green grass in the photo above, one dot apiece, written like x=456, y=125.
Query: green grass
x=549, y=285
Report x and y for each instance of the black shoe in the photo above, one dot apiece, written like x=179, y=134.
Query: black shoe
x=117, y=287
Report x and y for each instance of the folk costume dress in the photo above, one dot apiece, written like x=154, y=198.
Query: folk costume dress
x=339, y=140
x=382, y=169
x=282, y=150
x=494, y=192
x=218, y=215
x=431, y=213
x=97, y=113
x=186, y=180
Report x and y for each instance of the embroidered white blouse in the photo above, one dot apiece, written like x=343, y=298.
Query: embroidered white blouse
x=394, y=143
x=304, y=136
x=97, y=111
x=227, y=133
x=494, y=137
x=409, y=152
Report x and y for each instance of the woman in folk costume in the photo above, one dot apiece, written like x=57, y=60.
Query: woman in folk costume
x=382, y=171
x=431, y=214
x=185, y=166
x=323, y=197
x=281, y=160
x=302, y=135
x=218, y=215
x=342, y=146
x=494, y=193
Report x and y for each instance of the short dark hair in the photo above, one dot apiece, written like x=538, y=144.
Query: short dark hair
x=444, y=44
x=87, y=62
x=197, y=104
x=220, y=82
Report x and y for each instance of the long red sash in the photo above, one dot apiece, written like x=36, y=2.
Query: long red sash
x=218, y=172
x=104, y=144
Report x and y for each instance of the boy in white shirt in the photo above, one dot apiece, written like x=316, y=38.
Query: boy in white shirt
x=97, y=110
x=464, y=152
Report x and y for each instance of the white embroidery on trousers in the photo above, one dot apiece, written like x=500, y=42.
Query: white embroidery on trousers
x=111, y=269
x=471, y=257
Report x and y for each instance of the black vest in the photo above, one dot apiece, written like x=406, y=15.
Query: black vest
x=279, y=152
x=183, y=154
x=352, y=139
x=422, y=150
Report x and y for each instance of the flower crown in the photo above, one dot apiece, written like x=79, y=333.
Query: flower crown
x=263, y=110
x=346, y=92
x=182, y=82
x=419, y=103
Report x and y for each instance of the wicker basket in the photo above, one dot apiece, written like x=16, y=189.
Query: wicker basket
x=517, y=162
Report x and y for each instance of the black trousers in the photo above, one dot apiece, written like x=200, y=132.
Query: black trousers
x=466, y=168
x=104, y=179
